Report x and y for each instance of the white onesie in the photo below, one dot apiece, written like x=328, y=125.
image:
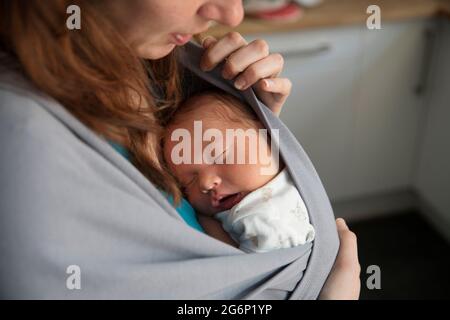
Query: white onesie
x=271, y=217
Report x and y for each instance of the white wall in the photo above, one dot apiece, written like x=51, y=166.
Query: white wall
x=433, y=172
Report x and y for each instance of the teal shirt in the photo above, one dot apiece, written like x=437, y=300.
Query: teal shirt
x=184, y=209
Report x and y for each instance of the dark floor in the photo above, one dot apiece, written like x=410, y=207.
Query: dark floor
x=413, y=258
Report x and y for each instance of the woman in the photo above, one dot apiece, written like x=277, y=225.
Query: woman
x=119, y=77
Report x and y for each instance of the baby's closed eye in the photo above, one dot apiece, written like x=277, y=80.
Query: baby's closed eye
x=221, y=158
x=185, y=184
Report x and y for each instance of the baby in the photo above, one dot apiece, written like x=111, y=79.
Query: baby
x=223, y=178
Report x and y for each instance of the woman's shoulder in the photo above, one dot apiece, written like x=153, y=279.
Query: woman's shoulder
x=20, y=101
x=38, y=146
x=17, y=106
x=24, y=121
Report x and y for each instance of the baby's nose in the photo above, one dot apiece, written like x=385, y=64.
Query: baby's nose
x=210, y=182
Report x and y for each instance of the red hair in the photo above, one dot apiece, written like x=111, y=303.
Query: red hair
x=96, y=76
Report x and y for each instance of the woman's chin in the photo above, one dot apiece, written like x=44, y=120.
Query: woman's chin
x=153, y=52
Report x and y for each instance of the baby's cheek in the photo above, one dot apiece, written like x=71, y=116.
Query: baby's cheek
x=244, y=174
x=250, y=177
x=201, y=204
x=194, y=200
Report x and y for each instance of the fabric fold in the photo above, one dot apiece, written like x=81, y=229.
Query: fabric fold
x=68, y=198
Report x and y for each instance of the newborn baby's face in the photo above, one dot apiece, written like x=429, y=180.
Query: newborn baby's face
x=227, y=183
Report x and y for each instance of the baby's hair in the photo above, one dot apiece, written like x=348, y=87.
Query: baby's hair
x=229, y=109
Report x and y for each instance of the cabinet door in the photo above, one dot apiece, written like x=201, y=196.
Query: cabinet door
x=353, y=105
x=387, y=107
x=322, y=66
x=433, y=174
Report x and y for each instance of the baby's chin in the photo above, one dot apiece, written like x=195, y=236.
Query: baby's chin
x=205, y=209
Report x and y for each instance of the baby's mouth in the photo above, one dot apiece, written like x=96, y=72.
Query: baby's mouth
x=226, y=202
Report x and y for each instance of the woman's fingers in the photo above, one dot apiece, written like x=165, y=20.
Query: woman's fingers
x=273, y=92
x=221, y=49
x=250, y=65
x=348, y=251
x=281, y=86
x=341, y=225
x=343, y=282
x=268, y=67
x=244, y=57
x=208, y=41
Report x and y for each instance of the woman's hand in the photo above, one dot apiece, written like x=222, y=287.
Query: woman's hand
x=249, y=64
x=343, y=282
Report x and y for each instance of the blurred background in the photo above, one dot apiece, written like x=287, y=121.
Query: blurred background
x=371, y=107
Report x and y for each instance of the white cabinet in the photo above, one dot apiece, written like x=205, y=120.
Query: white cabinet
x=321, y=66
x=388, y=107
x=353, y=105
x=433, y=173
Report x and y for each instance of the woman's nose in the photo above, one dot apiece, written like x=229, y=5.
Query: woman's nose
x=209, y=181
x=226, y=12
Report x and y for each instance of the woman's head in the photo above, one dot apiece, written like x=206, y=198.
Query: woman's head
x=154, y=27
x=101, y=73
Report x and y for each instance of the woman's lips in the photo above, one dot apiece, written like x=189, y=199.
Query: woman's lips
x=181, y=38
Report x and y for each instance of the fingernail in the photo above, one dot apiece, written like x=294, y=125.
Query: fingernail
x=207, y=42
x=269, y=83
x=240, y=84
x=204, y=67
x=226, y=75
x=341, y=221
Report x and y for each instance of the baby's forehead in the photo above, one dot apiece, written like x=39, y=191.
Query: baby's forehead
x=205, y=108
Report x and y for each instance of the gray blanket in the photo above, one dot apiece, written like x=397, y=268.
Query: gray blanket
x=78, y=221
